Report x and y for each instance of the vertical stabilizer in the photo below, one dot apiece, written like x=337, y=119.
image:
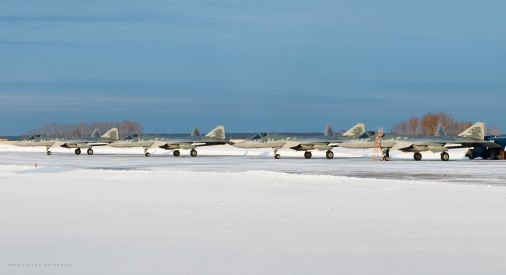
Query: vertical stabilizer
x=329, y=132
x=477, y=131
x=195, y=132
x=440, y=131
x=217, y=133
x=112, y=134
x=355, y=131
x=96, y=133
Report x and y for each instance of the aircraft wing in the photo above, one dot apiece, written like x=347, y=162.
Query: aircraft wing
x=291, y=144
x=57, y=143
x=181, y=144
x=74, y=144
x=82, y=144
x=176, y=145
x=336, y=143
x=486, y=143
x=157, y=144
x=301, y=145
x=400, y=145
x=438, y=146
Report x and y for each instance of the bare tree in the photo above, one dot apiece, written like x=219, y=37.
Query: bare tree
x=75, y=132
x=84, y=130
x=401, y=128
x=461, y=126
x=128, y=127
x=446, y=120
x=494, y=131
x=414, y=124
x=428, y=124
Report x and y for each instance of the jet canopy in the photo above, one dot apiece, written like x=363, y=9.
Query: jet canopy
x=259, y=136
x=132, y=136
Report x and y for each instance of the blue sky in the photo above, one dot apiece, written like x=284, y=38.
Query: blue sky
x=250, y=65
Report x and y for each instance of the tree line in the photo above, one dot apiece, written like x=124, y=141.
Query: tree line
x=426, y=125
x=85, y=129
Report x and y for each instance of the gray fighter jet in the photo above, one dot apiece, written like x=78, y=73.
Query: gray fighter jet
x=301, y=143
x=215, y=137
x=49, y=142
x=471, y=137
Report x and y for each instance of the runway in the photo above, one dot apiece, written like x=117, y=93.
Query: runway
x=347, y=163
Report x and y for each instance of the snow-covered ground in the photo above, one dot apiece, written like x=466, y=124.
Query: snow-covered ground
x=231, y=211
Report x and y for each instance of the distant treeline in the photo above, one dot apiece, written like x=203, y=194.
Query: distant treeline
x=427, y=124
x=85, y=130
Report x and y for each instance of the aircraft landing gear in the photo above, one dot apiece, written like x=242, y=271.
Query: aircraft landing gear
x=470, y=154
x=78, y=151
x=176, y=153
x=494, y=154
x=445, y=156
x=386, y=154
x=417, y=156
x=276, y=155
x=193, y=153
x=48, y=152
x=146, y=153
x=329, y=154
x=90, y=151
x=308, y=154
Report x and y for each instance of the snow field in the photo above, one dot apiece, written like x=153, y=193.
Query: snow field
x=108, y=214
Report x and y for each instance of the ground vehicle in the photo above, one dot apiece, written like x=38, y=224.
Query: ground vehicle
x=486, y=153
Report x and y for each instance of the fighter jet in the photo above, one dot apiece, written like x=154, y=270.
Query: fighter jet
x=301, y=143
x=214, y=137
x=471, y=137
x=49, y=142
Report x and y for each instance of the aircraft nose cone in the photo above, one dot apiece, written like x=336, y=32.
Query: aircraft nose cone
x=20, y=143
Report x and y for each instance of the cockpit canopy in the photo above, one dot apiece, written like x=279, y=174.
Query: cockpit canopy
x=132, y=136
x=259, y=136
x=367, y=134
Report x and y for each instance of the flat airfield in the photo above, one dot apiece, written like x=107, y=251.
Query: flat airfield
x=347, y=163
x=231, y=211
